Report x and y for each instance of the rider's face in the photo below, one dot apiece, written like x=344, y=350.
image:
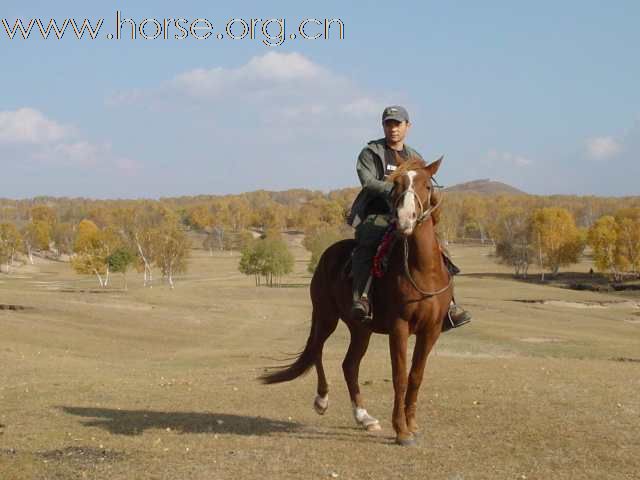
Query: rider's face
x=395, y=131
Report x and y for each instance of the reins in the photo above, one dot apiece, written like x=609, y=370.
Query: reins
x=413, y=282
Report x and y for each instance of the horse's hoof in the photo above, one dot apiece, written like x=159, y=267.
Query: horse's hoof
x=321, y=404
x=373, y=427
x=366, y=421
x=406, y=442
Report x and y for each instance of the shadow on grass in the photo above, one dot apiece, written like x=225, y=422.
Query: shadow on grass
x=135, y=422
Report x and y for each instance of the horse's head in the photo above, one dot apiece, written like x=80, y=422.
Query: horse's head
x=413, y=196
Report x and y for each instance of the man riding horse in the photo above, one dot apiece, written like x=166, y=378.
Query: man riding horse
x=372, y=208
x=412, y=298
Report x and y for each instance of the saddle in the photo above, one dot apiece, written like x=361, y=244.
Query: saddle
x=383, y=253
x=380, y=265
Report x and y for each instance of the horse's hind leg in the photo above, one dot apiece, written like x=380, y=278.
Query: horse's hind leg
x=351, y=368
x=325, y=319
x=321, y=402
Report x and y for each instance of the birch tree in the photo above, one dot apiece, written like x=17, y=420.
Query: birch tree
x=173, y=248
x=558, y=241
x=628, y=238
x=513, y=236
x=90, y=252
x=139, y=228
x=37, y=237
x=92, y=248
x=10, y=244
x=603, y=238
x=63, y=238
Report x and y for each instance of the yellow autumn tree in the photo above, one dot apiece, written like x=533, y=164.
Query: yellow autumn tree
x=36, y=236
x=90, y=256
x=200, y=217
x=44, y=213
x=63, y=237
x=173, y=250
x=628, y=238
x=239, y=213
x=603, y=239
x=450, y=218
x=474, y=217
x=220, y=213
x=557, y=240
x=92, y=248
x=86, y=234
x=10, y=244
x=269, y=216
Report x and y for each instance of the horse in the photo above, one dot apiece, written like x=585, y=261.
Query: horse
x=412, y=298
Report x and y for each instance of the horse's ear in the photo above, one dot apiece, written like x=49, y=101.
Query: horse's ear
x=433, y=167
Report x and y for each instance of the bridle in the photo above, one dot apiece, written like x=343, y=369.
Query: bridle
x=424, y=214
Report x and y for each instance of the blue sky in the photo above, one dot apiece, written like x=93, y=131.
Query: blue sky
x=541, y=95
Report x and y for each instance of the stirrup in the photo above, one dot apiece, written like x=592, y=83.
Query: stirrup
x=361, y=310
x=462, y=319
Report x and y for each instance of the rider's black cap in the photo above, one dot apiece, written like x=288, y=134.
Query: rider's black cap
x=395, y=112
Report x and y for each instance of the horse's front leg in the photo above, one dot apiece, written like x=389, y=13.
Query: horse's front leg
x=398, y=349
x=424, y=344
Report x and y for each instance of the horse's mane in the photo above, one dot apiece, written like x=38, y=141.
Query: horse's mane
x=416, y=163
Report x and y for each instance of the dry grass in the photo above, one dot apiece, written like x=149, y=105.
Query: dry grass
x=160, y=384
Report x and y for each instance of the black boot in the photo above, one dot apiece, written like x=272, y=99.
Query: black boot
x=456, y=317
x=451, y=267
x=361, y=271
x=361, y=307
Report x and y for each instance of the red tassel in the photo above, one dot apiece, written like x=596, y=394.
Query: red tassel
x=387, y=240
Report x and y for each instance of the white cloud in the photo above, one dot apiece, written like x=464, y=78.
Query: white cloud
x=50, y=143
x=273, y=88
x=601, y=148
x=261, y=75
x=280, y=67
x=27, y=125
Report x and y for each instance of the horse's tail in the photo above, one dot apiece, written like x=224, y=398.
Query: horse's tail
x=303, y=362
x=324, y=318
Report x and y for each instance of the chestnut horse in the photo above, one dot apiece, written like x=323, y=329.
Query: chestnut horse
x=412, y=298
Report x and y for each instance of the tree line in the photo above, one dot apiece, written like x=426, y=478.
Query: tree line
x=551, y=238
x=101, y=237
x=142, y=237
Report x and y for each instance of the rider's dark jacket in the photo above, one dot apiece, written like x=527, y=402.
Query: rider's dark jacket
x=375, y=162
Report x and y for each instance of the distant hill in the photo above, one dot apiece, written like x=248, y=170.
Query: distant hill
x=485, y=187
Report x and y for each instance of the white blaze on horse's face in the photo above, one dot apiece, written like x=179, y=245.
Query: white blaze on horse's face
x=408, y=210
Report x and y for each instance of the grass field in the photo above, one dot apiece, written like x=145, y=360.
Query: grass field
x=160, y=384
